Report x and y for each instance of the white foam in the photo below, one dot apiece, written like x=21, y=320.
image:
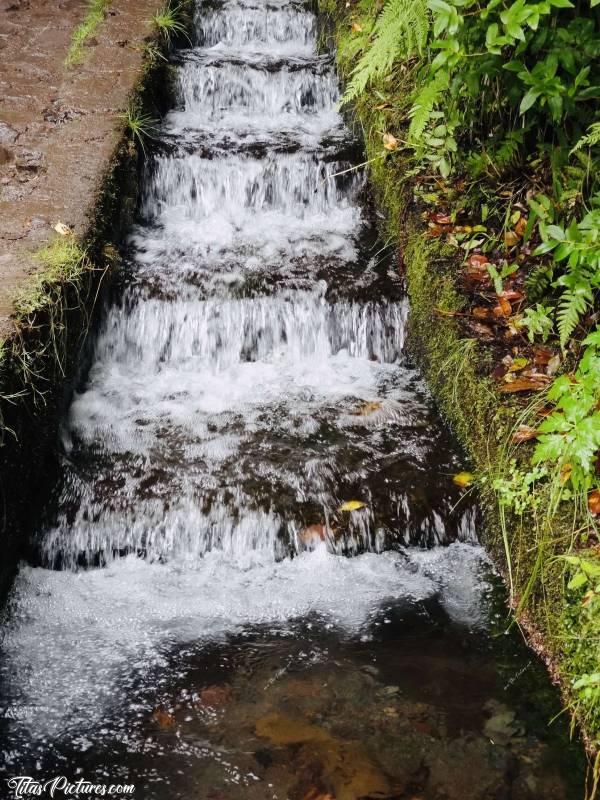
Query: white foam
x=78, y=643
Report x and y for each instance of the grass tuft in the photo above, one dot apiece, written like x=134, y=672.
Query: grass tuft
x=167, y=21
x=94, y=17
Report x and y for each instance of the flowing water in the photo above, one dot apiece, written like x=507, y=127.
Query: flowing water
x=204, y=617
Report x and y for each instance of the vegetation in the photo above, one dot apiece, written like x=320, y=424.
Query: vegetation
x=94, y=17
x=169, y=24
x=141, y=126
x=486, y=115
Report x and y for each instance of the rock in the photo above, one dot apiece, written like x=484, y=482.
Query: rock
x=311, y=536
x=8, y=135
x=30, y=161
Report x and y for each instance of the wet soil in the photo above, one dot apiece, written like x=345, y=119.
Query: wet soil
x=58, y=126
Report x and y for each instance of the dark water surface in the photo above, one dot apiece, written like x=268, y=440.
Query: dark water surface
x=204, y=617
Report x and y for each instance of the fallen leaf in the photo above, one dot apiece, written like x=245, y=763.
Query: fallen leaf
x=520, y=227
x=522, y=385
x=510, y=239
x=463, y=479
x=512, y=295
x=390, y=142
x=542, y=355
x=594, y=502
x=313, y=534
x=481, y=312
x=441, y=219
x=518, y=364
x=63, y=229
x=352, y=505
x=553, y=365
x=163, y=718
x=481, y=330
x=368, y=408
x=524, y=433
x=356, y=27
x=503, y=308
x=565, y=472
x=478, y=260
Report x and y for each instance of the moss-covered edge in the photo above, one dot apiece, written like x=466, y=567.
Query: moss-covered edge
x=54, y=310
x=457, y=372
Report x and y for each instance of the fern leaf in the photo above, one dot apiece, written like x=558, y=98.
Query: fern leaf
x=591, y=138
x=424, y=104
x=400, y=31
x=574, y=302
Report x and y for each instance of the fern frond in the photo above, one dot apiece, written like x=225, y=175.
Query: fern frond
x=591, y=138
x=400, y=32
x=574, y=302
x=424, y=103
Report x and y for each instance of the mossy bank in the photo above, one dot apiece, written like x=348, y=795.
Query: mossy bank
x=458, y=369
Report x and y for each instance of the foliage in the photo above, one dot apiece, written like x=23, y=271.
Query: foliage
x=400, y=31
x=168, y=23
x=94, y=17
x=141, y=126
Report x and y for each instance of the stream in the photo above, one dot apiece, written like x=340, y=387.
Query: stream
x=257, y=578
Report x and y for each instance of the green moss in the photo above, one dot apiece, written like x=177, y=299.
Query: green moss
x=62, y=262
x=94, y=17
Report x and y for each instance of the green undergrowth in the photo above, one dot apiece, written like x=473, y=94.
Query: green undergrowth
x=526, y=212
x=94, y=16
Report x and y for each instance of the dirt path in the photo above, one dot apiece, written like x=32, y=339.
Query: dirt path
x=58, y=126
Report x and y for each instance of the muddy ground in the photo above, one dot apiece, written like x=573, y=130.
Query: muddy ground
x=59, y=126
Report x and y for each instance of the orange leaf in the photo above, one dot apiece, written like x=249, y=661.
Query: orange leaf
x=524, y=433
x=520, y=226
x=521, y=385
x=503, y=309
x=594, y=502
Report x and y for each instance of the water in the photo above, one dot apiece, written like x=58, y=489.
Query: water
x=202, y=617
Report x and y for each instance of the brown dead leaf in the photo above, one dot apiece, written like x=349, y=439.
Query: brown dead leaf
x=441, y=219
x=481, y=312
x=390, y=142
x=163, y=718
x=435, y=230
x=594, y=502
x=480, y=330
x=521, y=385
x=520, y=227
x=313, y=534
x=478, y=260
x=510, y=239
x=512, y=295
x=503, y=308
x=542, y=355
x=524, y=433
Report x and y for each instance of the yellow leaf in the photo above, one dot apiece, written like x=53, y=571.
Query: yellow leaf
x=390, y=142
x=352, y=505
x=356, y=27
x=63, y=229
x=368, y=408
x=463, y=479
